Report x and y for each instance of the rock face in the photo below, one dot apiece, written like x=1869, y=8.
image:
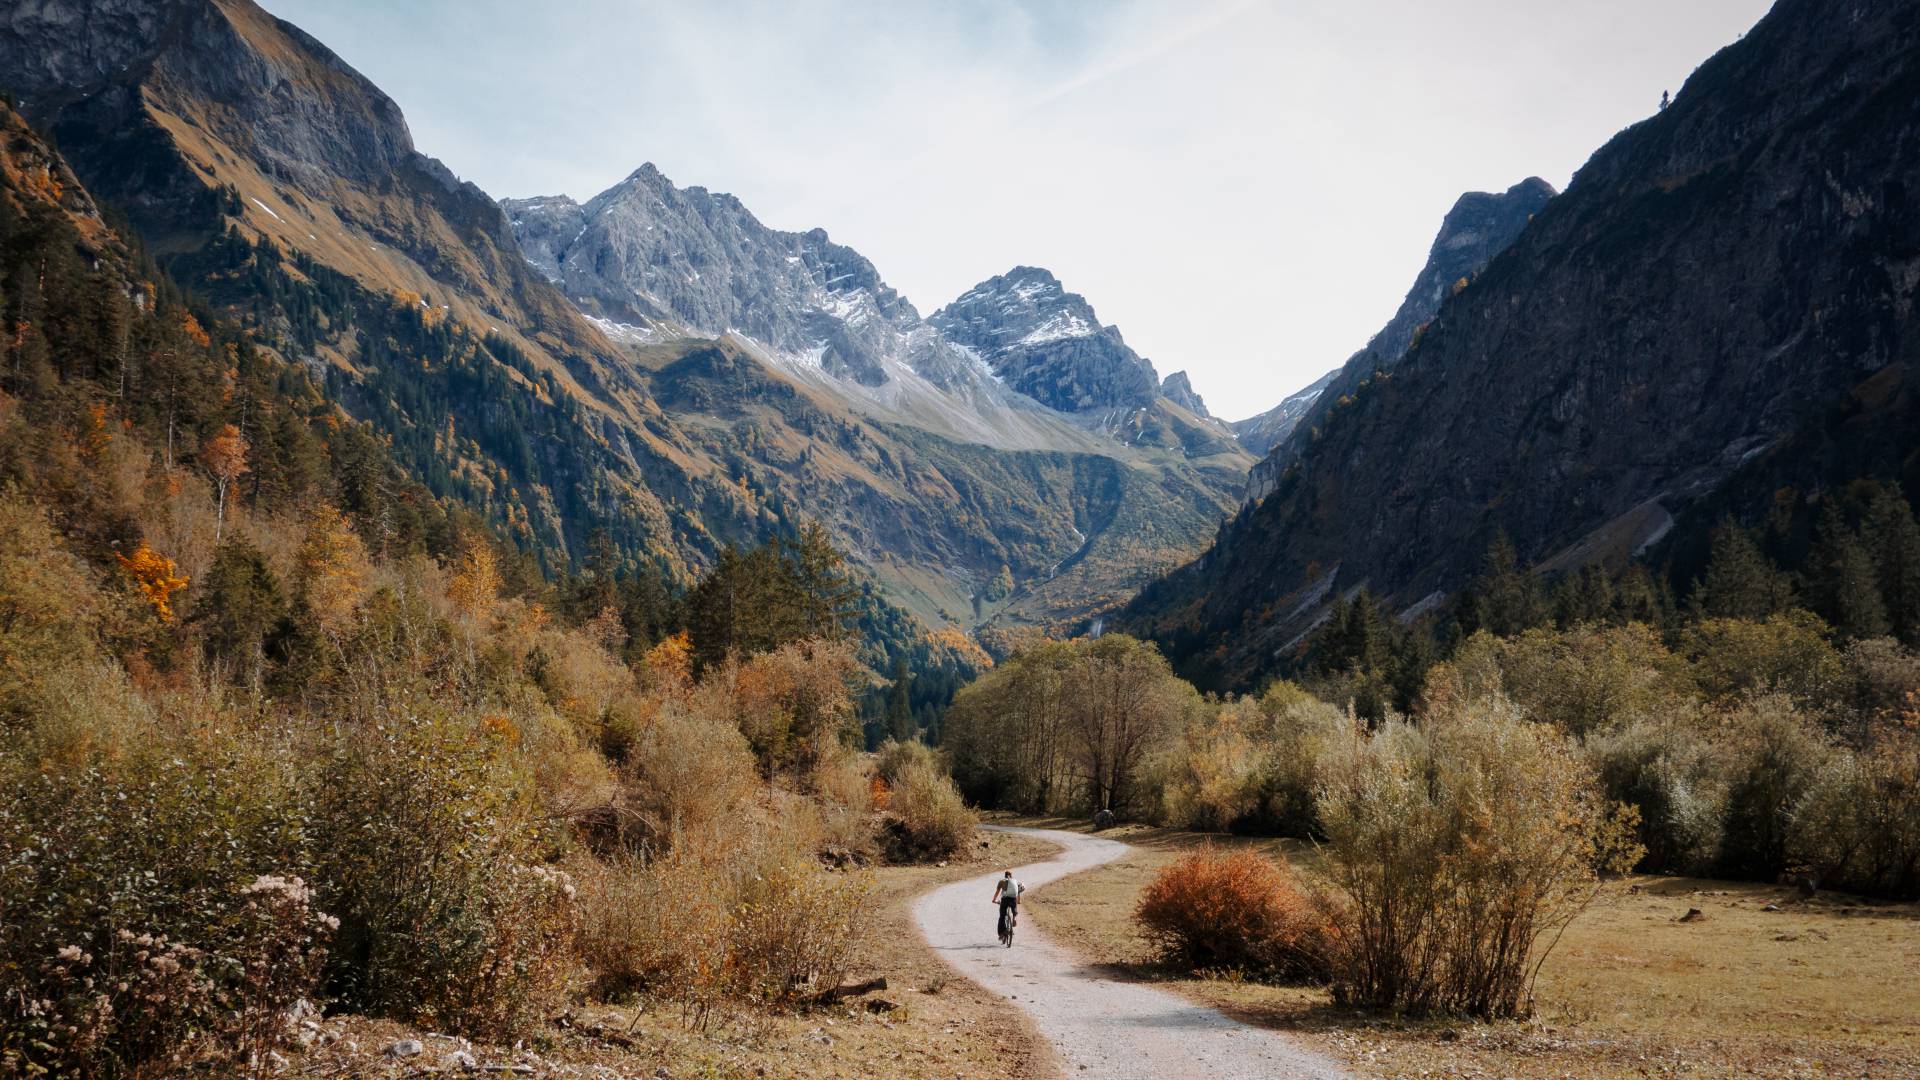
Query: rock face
x=1730, y=276
x=1480, y=226
x=1047, y=343
x=654, y=259
x=1177, y=389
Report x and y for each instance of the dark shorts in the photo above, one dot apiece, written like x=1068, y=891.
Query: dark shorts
x=1008, y=910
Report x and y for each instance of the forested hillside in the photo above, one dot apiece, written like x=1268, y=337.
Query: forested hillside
x=285, y=724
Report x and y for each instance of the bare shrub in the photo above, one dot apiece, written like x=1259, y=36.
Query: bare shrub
x=1237, y=911
x=926, y=816
x=845, y=804
x=719, y=919
x=792, y=929
x=685, y=769
x=1462, y=847
x=894, y=756
x=1209, y=778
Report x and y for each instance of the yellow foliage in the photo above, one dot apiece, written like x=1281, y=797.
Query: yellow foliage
x=98, y=434
x=155, y=576
x=476, y=584
x=669, y=665
x=333, y=568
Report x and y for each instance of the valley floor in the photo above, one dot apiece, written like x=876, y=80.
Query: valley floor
x=939, y=1025
x=1765, y=984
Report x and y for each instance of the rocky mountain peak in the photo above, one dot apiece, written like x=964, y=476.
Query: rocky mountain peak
x=1178, y=389
x=650, y=259
x=1048, y=343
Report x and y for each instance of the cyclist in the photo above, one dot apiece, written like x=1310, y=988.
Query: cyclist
x=1006, y=893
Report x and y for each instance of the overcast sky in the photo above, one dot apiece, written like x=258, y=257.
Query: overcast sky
x=1245, y=187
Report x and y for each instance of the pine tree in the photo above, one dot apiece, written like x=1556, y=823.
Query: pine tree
x=1585, y=596
x=1893, y=538
x=240, y=603
x=900, y=723
x=1506, y=598
x=1740, y=581
x=1366, y=635
x=823, y=596
x=1638, y=598
x=1846, y=583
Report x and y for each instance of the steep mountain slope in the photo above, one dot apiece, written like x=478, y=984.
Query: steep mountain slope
x=1260, y=434
x=1479, y=226
x=274, y=179
x=267, y=173
x=1724, y=286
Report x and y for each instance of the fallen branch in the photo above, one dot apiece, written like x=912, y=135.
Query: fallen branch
x=847, y=990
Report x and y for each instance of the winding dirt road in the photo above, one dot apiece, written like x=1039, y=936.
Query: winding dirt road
x=1102, y=1027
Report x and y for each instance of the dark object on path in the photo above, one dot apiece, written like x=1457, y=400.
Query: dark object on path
x=1103, y=819
x=1693, y=914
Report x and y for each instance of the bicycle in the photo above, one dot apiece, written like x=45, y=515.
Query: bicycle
x=1006, y=925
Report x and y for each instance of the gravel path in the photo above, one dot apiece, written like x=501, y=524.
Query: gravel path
x=1102, y=1027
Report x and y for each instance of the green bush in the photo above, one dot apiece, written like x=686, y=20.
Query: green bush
x=429, y=856
x=1666, y=767
x=1771, y=754
x=154, y=912
x=1857, y=826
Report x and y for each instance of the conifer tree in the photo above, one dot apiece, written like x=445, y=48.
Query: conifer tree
x=1740, y=581
x=899, y=702
x=1846, y=582
x=1506, y=598
x=1893, y=538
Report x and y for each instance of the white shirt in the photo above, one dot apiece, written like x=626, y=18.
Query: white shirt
x=1011, y=889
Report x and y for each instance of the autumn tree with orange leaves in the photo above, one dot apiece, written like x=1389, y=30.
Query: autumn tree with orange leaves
x=155, y=577
x=225, y=456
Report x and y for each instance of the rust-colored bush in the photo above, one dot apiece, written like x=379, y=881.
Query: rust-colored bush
x=1237, y=911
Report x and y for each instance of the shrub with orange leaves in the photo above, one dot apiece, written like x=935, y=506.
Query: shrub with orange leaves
x=194, y=331
x=1238, y=911
x=155, y=576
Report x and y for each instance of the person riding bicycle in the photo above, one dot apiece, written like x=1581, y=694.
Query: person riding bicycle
x=1006, y=893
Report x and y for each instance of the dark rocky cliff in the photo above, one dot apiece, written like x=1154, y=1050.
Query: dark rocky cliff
x=1718, y=282
x=1479, y=226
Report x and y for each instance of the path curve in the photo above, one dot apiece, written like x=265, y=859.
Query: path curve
x=1102, y=1027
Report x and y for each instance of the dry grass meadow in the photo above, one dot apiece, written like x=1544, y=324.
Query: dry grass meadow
x=1765, y=983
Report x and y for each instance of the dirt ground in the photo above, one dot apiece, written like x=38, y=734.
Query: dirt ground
x=939, y=1025
x=1765, y=984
